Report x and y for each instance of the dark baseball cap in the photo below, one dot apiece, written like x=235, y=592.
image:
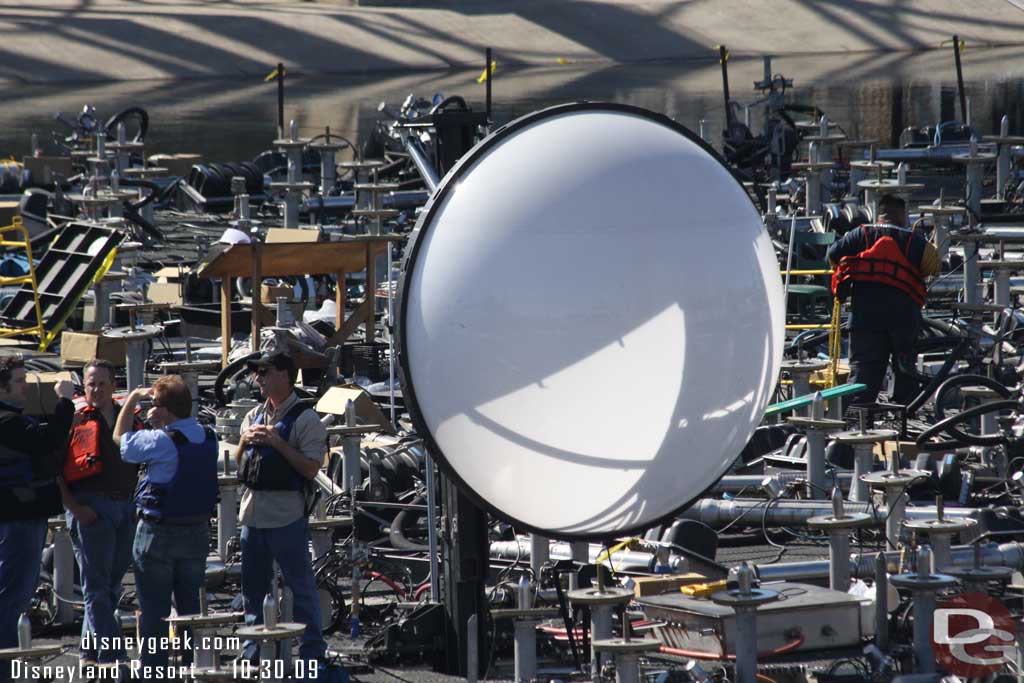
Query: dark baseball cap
x=279, y=360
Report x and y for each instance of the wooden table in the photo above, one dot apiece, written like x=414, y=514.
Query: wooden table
x=284, y=259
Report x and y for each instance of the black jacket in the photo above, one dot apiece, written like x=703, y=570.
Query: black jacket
x=27, y=446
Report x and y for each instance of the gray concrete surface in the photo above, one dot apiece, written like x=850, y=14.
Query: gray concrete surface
x=50, y=41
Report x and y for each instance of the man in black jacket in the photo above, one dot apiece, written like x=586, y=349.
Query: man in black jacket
x=28, y=492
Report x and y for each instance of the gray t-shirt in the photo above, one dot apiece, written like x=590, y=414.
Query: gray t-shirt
x=275, y=509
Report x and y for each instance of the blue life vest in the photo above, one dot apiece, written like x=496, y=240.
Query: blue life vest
x=190, y=497
x=263, y=468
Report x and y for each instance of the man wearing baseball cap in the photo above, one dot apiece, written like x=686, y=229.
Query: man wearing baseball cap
x=280, y=451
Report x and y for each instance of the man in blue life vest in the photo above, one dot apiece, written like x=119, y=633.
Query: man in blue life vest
x=175, y=499
x=281, y=450
x=97, y=488
x=883, y=266
x=29, y=456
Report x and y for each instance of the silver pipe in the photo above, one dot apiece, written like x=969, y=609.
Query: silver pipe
x=716, y=513
x=732, y=483
x=423, y=165
x=624, y=560
x=944, y=153
x=863, y=566
x=401, y=199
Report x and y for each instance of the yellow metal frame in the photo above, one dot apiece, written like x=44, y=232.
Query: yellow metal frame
x=833, y=327
x=30, y=279
x=100, y=273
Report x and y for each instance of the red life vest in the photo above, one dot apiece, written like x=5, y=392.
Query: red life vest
x=884, y=263
x=83, y=458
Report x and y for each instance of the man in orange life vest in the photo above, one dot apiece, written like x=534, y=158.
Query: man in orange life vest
x=97, y=489
x=883, y=265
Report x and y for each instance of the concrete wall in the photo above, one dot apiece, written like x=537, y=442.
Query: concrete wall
x=93, y=40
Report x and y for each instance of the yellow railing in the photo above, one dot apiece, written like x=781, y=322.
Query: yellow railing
x=25, y=243
x=833, y=326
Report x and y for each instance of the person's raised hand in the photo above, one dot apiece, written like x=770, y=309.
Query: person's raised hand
x=64, y=389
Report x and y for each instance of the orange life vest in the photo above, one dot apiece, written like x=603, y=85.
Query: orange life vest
x=83, y=458
x=884, y=263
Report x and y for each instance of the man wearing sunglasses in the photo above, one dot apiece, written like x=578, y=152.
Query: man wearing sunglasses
x=281, y=450
x=175, y=499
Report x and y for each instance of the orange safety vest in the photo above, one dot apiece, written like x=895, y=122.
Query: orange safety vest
x=882, y=262
x=83, y=458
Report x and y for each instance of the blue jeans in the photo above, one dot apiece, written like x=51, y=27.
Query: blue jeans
x=104, y=553
x=168, y=559
x=289, y=545
x=21, y=553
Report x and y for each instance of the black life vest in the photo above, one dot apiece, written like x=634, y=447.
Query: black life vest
x=882, y=262
x=263, y=468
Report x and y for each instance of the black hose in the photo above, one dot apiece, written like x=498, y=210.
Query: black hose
x=972, y=440
x=230, y=370
x=964, y=380
x=940, y=377
x=147, y=227
x=154, y=191
x=143, y=116
x=454, y=99
x=396, y=532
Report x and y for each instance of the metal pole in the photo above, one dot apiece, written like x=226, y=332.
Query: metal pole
x=352, y=470
x=525, y=650
x=435, y=587
x=860, y=491
x=1003, y=160
x=723, y=57
x=391, y=338
x=227, y=518
x=789, y=264
x=881, y=603
x=472, y=648
x=487, y=82
x=896, y=502
x=746, y=645
x=539, y=554
x=972, y=273
x=63, y=574
x=839, y=560
x=280, y=100
x=960, y=78
x=600, y=629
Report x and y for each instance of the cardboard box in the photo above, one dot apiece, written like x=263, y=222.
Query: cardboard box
x=908, y=449
x=270, y=293
x=78, y=348
x=41, y=398
x=336, y=400
x=170, y=274
x=292, y=235
x=165, y=293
